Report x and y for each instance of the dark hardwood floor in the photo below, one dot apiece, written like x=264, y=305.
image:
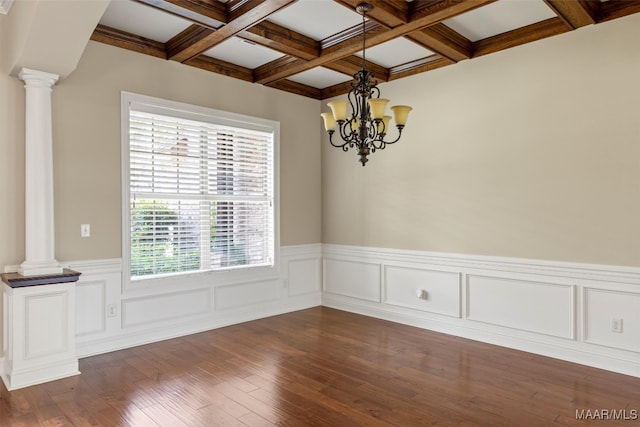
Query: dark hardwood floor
x=324, y=367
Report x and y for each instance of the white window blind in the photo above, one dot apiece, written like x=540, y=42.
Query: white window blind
x=201, y=194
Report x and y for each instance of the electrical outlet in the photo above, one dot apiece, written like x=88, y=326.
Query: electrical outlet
x=85, y=230
x=616, y=324
x=112, y=310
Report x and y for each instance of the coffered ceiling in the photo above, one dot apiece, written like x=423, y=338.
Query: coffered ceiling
x=313, y=47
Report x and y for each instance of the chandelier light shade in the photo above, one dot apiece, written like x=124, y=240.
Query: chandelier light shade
x=367, y=125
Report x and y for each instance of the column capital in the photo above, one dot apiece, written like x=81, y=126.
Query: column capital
x=38, y=78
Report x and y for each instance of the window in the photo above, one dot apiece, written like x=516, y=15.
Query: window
x=199, y=188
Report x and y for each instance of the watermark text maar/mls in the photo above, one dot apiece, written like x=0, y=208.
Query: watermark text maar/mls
x=607, y=414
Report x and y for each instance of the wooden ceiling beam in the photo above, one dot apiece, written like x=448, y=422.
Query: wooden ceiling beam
x=242, y=14
x=352, y=64
x=530, y=33
x=418, y=66
x=125, y=40
x=418, y=21
x=575, y=13
x=183, y=40
x=443, y=41
x=335, y=90
x=297, y=88
x=208, y=13
x=426, y=17
x=438, y=38
x=221, y=67
x=387, y=12
x=614, y=9
x=429, y=12
x=282, y=39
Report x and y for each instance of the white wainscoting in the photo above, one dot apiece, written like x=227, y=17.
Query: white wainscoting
x=110, y=317
x=561, y=310
x=39, y=334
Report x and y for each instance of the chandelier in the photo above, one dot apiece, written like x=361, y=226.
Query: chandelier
x=367, y=126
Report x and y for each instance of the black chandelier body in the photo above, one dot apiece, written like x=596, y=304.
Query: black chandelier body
x=367, y=126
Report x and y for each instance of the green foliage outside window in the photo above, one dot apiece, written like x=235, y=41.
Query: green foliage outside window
x=156, y=245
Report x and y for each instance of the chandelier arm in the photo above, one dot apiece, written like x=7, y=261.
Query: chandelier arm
x=397, y=139
x=347, y=137
x=378, y=144
x=352, y=96
x=343, y=145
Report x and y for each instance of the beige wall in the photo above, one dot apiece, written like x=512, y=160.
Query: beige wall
x=11, y=160
x=533, y=152
x=86, y=138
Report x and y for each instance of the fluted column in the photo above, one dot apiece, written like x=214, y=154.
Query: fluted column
x=39, y=221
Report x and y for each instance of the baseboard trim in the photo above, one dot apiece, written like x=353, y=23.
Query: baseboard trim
x=49, y=372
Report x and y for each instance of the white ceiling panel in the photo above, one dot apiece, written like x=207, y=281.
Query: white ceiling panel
x=244, y=53
x=395, y=52
x=145, y=21
x=320, y=77
x=317, y=19
x=499, y=17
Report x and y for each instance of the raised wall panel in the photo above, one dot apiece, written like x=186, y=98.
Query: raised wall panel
x=441, y=289
x=352, y=278
x=304, y=276
x=158, y=308
x=39, y=339
x=46, y=324
x=600, y=306
x=246, y=294
x=540, y=307
x=90, y=307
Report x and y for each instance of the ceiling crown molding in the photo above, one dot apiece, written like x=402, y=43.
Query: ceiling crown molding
x=5, y=5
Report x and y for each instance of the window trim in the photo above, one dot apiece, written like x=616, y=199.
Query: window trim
x=194, y=112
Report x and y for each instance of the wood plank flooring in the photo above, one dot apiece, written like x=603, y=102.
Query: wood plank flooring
x=323, y=367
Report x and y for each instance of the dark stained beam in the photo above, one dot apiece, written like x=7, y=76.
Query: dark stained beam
x=297, y=88
x=530, y=33
x=266, y=73
x=418, y=66
x=575, y=13
x=418, y=21
x=429, y=12
x=242, y=14
x=208, y=13
x=425, y=17
x=221, y=67
x=125, y=40
x=387, y=12
x=282, y=39
x=336, y=90
x=444, y=41
x=437, y=38
x=614, y=9
x=352, y=64
x=185, y=39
